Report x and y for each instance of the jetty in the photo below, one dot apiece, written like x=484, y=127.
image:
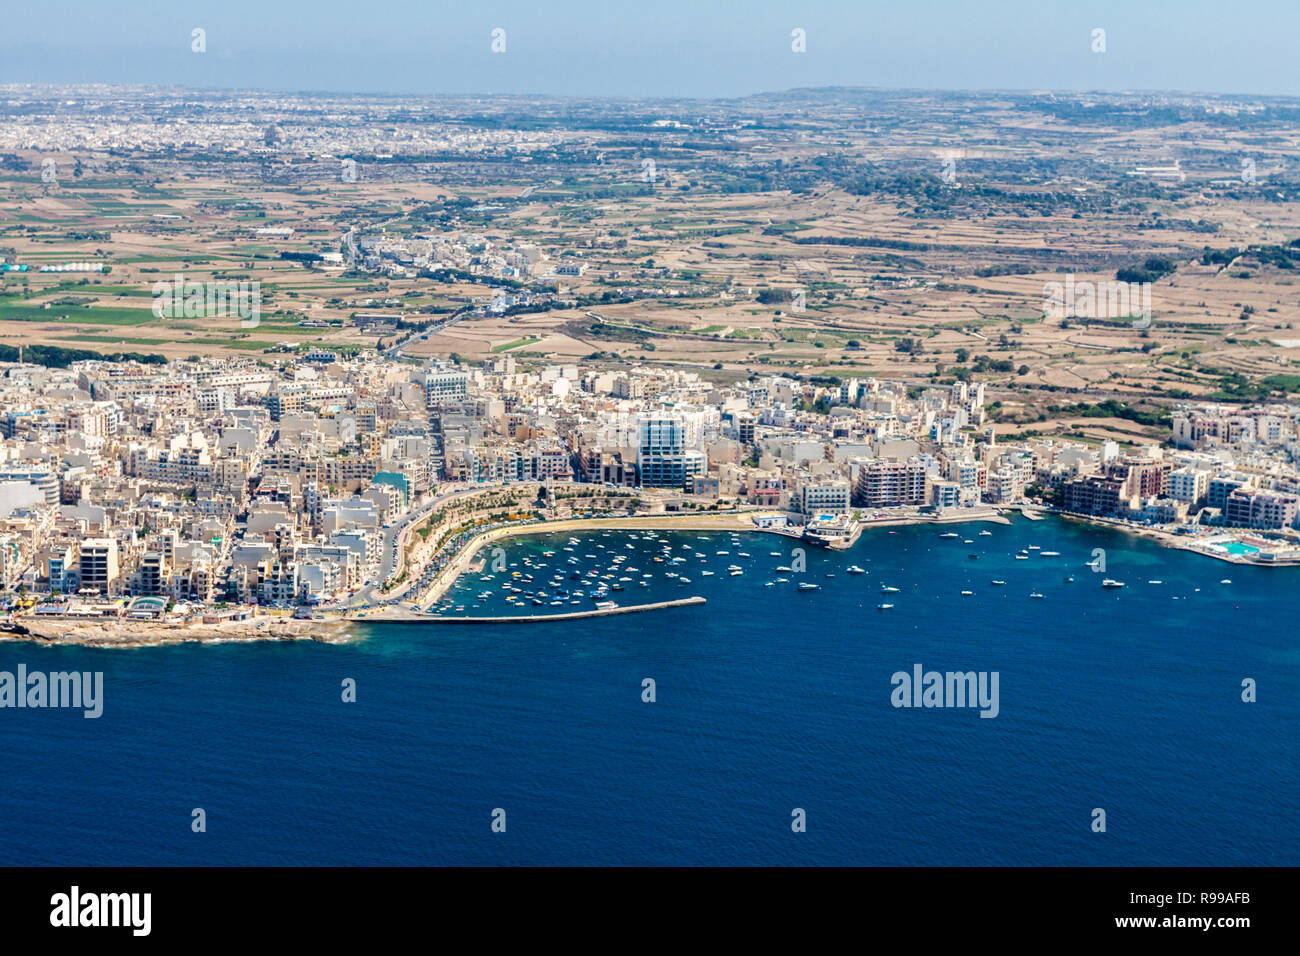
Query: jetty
x=424, y=617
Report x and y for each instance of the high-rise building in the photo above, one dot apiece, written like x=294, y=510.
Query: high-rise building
x=662, y=457
x=99, y=564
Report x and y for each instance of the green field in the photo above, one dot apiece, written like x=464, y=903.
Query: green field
x=96, y=315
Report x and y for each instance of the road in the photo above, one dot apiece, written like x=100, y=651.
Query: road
x=398, y=533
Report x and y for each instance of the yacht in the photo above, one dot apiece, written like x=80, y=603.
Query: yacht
x=854, y=569
x=1112, y=583
x=808, y=586
x=888, y=590
x=950, y=534
x=997, y=584
x=883, y=607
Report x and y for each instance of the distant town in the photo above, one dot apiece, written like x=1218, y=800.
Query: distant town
x=207, y=489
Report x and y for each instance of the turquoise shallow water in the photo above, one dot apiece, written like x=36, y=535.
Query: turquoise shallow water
x=768, y=699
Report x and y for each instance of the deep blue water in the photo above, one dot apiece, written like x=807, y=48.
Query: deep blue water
x=767, y=699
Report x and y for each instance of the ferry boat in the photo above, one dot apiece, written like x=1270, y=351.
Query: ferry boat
x=854, y=569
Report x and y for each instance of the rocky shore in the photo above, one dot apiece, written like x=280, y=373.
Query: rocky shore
x=120, y=633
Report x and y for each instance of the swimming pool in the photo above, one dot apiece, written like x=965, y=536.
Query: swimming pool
x=1236, y=547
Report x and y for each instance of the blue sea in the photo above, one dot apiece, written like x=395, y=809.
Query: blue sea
x=768, y=700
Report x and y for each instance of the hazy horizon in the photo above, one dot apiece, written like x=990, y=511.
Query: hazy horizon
x=666, y=50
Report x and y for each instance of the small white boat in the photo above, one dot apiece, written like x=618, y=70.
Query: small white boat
x=1050, y=554
x=1112, y=583
x=985, y=533
x=737, y=572
x=888, y=590
x=1035, y=595
x=854, y=569
x=1226, y=581
x=967, y=593
x=809, y=586
x=997, y=583
x=950, y=534
x=883, y=607
x=1155, y=582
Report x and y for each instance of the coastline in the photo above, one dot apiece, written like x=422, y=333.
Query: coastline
x=334, y=628
x=129, y=634
x=1182, y=543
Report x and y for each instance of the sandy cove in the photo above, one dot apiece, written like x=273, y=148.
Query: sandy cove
x=730, y=521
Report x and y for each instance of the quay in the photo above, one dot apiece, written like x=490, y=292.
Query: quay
x=424, y=617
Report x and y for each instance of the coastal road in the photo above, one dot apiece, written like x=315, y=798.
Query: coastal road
x=399, y=533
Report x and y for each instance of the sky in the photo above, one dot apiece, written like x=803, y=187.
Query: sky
x=676, y=48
